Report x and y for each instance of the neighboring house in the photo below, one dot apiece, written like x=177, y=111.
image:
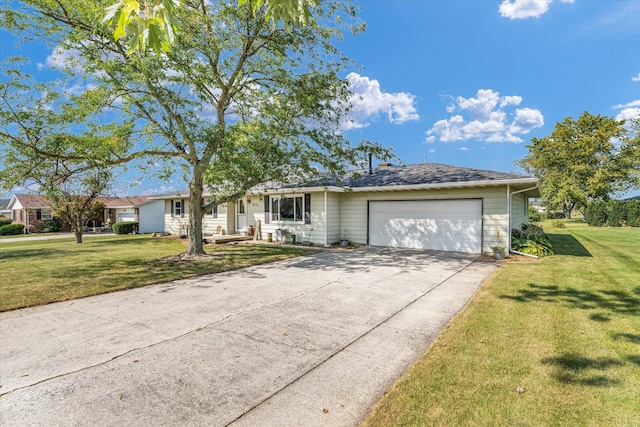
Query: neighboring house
x=4, y=209
x=148, y=213
x=427, y=206
x=31, y=210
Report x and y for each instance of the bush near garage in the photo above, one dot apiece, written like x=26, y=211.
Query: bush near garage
x=127, y=227
x=531, y=239
x=11, y=229
x=4, y=222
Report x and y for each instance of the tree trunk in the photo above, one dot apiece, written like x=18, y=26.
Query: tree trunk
x=195, y=212
x=77, y=230
x=566, y=209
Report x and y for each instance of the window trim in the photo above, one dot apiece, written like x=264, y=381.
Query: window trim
x=46, y=214
x=177, y=211
x=211, y=213
x=301, y=209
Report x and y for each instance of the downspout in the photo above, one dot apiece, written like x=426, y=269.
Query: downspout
x=508, y=218
x=326, y=222
x=509, y=211
x=26, y=228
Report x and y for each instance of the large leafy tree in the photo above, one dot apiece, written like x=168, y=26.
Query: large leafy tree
x=583, y=160
x=151, y=24
x=236, y=102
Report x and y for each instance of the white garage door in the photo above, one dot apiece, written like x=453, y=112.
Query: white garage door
x=445, y=225
x=126, y=217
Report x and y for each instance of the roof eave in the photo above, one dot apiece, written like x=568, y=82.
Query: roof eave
x=407, y=187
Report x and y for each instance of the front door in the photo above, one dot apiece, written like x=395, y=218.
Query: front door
x=241, y=215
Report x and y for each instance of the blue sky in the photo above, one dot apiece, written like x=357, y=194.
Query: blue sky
x=469, y=83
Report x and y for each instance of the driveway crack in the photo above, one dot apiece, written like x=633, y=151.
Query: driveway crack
x=174, y=338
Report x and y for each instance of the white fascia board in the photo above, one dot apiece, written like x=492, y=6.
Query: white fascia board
x=444, y=185
x=14, y=203
x=466, y=184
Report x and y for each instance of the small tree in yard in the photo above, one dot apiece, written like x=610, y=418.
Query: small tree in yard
x=75, y=199
x=72, y=186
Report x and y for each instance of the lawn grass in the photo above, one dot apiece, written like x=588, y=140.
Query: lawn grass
x=564, y=329
x=44, y=271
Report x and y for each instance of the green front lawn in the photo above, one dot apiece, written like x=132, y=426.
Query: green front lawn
x=43, y=271
x=554, y=342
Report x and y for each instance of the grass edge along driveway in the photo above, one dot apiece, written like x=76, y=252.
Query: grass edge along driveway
x=45, y=271
x=550, y=342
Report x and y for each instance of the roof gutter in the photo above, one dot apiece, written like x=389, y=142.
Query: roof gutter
x=405, y=187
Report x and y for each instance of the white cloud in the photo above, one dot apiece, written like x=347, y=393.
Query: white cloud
x=631, y=104
x=628, y=114
x=431, y=151
x=526, y=119
x=61, y=59
x=628, y=111
x=463, y=149
x=523, y=9
x=369, y=101
x=487, y=119
x=636, y=78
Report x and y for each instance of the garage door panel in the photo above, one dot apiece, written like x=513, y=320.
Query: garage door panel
x=454, y=225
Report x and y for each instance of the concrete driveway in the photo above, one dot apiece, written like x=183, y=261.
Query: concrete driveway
x=311, y=341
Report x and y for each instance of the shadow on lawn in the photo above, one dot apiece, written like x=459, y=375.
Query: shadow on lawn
x=571, y=368
x=566, y=244
x=17, y=253
x=618, y=302
x=576, y=369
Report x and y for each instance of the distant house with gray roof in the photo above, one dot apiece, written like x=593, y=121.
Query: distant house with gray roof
x=426, y=206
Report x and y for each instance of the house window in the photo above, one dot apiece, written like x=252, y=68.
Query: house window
x=212, y=212
x=177, y=208
x=267, y=211
x=21, y=217
x=44, y=214
x=291, y=209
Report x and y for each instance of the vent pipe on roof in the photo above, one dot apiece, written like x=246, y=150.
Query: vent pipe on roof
x=370, y=163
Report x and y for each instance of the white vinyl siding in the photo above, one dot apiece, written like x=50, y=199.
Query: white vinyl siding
x=151, y=216
x=519, y=210
x=180, y=224
x=211, y=223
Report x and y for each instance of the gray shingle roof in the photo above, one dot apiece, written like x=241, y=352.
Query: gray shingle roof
x=420, y=174
x=388, y=176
